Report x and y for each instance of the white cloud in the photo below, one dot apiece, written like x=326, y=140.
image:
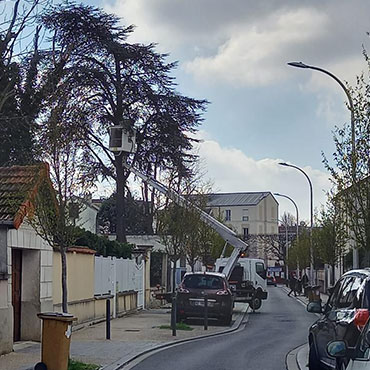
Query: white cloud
x=232, y=171
x=255, y=54
x=247, y=43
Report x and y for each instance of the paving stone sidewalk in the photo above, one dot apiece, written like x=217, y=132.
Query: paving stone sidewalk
x=130, y=335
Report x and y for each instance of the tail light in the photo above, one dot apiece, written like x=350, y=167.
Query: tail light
x=361, y=317
x=222, y=292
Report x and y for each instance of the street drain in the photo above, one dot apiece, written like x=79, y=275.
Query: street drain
x=132, y=330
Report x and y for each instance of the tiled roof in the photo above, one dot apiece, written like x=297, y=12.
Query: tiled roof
x=236, y=199
x=18, y=184
x=82, y=250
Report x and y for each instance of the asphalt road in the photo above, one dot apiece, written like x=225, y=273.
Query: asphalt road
x=278, y=327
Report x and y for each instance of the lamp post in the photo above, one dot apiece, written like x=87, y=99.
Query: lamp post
x=311, y=215
x=296, y=208
x=353, y=131
x=297, y=221
x=286, y=248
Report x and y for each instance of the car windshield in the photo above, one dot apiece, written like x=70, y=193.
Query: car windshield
x=203, y=282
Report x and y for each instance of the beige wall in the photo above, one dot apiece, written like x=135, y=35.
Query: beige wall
x=263, y=217
x=126, y=302
x=94, y=309
x=80, y=277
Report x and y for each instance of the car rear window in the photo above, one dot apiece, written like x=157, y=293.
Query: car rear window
x=203, y=282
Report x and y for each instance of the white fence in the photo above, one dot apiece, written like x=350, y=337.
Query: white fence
x=114, y=275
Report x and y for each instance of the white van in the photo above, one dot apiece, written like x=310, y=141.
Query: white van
x=248, y=280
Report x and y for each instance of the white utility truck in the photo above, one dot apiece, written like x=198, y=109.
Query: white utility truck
x=249, y=286
x=247, y=280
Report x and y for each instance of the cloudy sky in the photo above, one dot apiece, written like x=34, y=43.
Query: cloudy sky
x=234, y=54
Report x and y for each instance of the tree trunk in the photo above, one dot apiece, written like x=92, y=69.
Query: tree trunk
x=120, y=200
x=64, y=280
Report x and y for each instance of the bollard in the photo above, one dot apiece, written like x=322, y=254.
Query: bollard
x=205, y=312
x=173, y=315
x=107, y=327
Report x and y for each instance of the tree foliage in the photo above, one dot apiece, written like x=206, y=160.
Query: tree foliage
x=182, y=229
x=27, y=76
x=127, y=85
x=350, y=171
x=59, y=137
x=136, y=219
x=299, y=252
x=330, y=235
x=102, y=245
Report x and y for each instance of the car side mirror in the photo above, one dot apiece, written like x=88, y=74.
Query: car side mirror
x=337, y=348
x=314, y=307
x=331, y=289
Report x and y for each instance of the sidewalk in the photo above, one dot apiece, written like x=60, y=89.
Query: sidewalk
x=297, y=359
x=324, y=297
x=130, y=335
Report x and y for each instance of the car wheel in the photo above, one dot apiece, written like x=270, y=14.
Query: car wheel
x=313, y=359
x=256, y=303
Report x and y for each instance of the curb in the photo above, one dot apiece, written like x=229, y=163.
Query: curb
x=298, y=298
x=291, y=359
x=120, y=364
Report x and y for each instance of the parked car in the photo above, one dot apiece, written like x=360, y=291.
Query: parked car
x=360, y=356
x=192, y=291
x=344, y=316
x=271, y=280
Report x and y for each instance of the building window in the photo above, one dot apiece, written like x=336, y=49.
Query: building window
x=245, y=216
x=245, y=232
x=228, y=215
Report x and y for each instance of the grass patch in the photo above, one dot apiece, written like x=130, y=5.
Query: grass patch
x=76, y=365
x=179, y=326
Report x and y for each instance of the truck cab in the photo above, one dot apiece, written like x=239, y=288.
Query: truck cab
x=247, y=280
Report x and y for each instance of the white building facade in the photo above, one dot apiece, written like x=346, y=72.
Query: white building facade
x=249, y=214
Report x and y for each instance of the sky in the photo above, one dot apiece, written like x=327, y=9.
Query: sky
x=262, y=112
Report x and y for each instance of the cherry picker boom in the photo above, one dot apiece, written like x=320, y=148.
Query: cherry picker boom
x=246, y=276
x=228, y=235
x=249, y=280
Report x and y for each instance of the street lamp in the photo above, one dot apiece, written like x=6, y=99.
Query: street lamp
x=286, y=248
x=353, y=132
x=311, y=211
x=297, y=218
x=295, y=205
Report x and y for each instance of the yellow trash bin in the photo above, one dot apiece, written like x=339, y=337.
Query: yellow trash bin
x=56, y=339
